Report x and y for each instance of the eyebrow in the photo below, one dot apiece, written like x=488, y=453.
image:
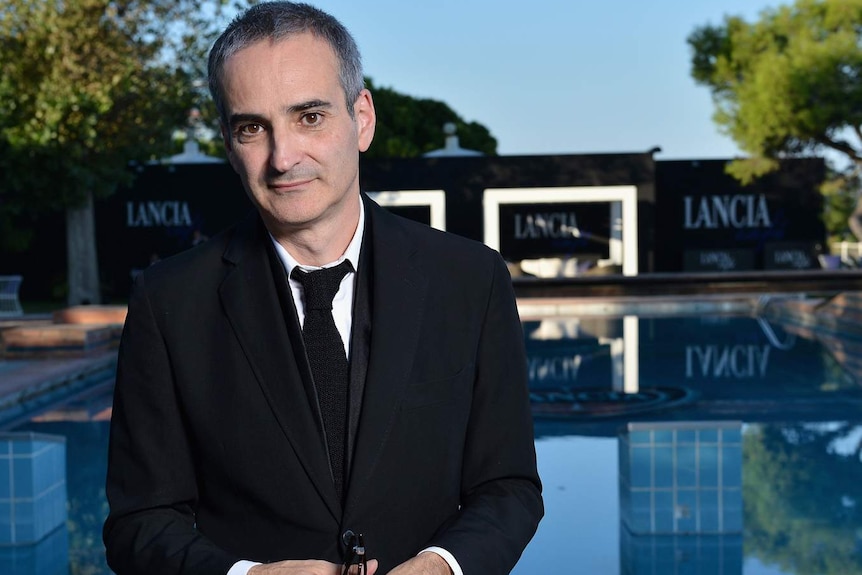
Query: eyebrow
x=301, y=107
x=295, y=108
x=242, y=118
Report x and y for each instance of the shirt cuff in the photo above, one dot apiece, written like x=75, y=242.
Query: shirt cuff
x=241, y=567
x=447, y=557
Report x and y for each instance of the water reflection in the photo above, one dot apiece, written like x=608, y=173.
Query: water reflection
x=709, y=445
x=77, y=548
x=681, y=497
x=738, y=446
x=33, y=536
x=721, y=367
x=49, y=556
x=803, y=496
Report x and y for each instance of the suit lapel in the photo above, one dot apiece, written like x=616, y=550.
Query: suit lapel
x=398, y=292
x=253, y=295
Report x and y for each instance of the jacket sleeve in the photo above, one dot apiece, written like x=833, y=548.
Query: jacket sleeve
x=151, y=483
x=501, y=491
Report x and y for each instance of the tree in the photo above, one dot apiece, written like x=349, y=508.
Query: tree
x=787, y=84
x=801, y=488
x=88, y=86
x=409, y=127
x=406, y=127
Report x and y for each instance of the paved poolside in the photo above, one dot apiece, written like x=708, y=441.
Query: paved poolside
x=28, y=379
x=22, y=380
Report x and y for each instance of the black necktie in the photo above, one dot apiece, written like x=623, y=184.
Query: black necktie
x=327, y=359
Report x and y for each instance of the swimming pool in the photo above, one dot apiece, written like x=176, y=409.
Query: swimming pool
x=715, y=444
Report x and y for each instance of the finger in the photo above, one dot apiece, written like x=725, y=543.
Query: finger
x=372, y=567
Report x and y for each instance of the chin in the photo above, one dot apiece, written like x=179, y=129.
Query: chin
x=293, y=219
x=292, y=209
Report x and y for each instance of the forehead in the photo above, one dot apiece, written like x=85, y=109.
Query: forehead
x=299, y=64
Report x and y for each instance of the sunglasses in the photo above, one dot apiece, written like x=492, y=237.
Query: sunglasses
x=354, y=553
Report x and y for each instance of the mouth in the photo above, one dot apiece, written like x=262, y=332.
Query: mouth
x=279, y=186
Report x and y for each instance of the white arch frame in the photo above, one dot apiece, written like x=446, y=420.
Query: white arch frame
x=623, y=202
x=435, y=199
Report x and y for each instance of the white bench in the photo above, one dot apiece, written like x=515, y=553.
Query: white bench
x=10, y=306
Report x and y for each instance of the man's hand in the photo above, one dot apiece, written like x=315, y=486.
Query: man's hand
x=310, y=567
x=428, y=563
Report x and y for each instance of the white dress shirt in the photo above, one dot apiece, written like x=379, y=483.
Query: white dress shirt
x=342, y=314
x=342, y=303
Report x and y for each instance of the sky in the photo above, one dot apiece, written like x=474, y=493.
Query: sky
x=552, y=76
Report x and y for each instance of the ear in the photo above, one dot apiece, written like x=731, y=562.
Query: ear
x=366, y=119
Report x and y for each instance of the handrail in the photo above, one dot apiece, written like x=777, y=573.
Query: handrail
x=767, y=330
x=762, y=302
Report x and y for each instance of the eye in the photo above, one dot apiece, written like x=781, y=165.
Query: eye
x=250, y=129
x=311, y=119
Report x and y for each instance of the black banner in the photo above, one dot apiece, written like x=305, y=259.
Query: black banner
x=791, y=256
x=555, y=229
x=771, y=223
x=168, y=209
x=719, y=260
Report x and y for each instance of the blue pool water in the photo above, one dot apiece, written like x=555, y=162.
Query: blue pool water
x=704, y=445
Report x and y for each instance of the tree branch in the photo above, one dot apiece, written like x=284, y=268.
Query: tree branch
x=840, y=146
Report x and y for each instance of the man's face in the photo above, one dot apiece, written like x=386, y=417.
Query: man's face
x=290, y=136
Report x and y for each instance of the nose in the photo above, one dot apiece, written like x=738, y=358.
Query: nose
x=286, y=150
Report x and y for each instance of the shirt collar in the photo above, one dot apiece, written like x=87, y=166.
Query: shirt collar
x=351, y=253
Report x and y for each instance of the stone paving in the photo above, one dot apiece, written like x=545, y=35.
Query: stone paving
x=44, y=354
x=26, y=379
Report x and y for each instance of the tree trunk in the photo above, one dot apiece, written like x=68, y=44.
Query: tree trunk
x=855, y=220
x=83, y=266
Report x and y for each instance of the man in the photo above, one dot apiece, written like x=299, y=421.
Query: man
x=225, y=454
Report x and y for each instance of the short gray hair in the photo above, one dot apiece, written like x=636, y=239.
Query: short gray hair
x=277, y=21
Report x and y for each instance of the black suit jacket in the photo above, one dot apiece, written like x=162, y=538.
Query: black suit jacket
x=217, y=451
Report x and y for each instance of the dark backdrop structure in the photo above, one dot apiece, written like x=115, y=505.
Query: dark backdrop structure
x=710, y=222
x=691, y=215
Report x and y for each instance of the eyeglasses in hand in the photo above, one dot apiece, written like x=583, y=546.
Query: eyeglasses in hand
x=354, y=554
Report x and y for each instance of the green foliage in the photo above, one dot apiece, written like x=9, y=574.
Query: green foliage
x=88, y=86
x=409, y=127
x=406, y=127
x=789, y=83
x=840, y=191
x=800, y=498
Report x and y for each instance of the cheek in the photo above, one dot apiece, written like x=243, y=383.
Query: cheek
x=234, y=162
x=344, y=149
x=244, y=164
